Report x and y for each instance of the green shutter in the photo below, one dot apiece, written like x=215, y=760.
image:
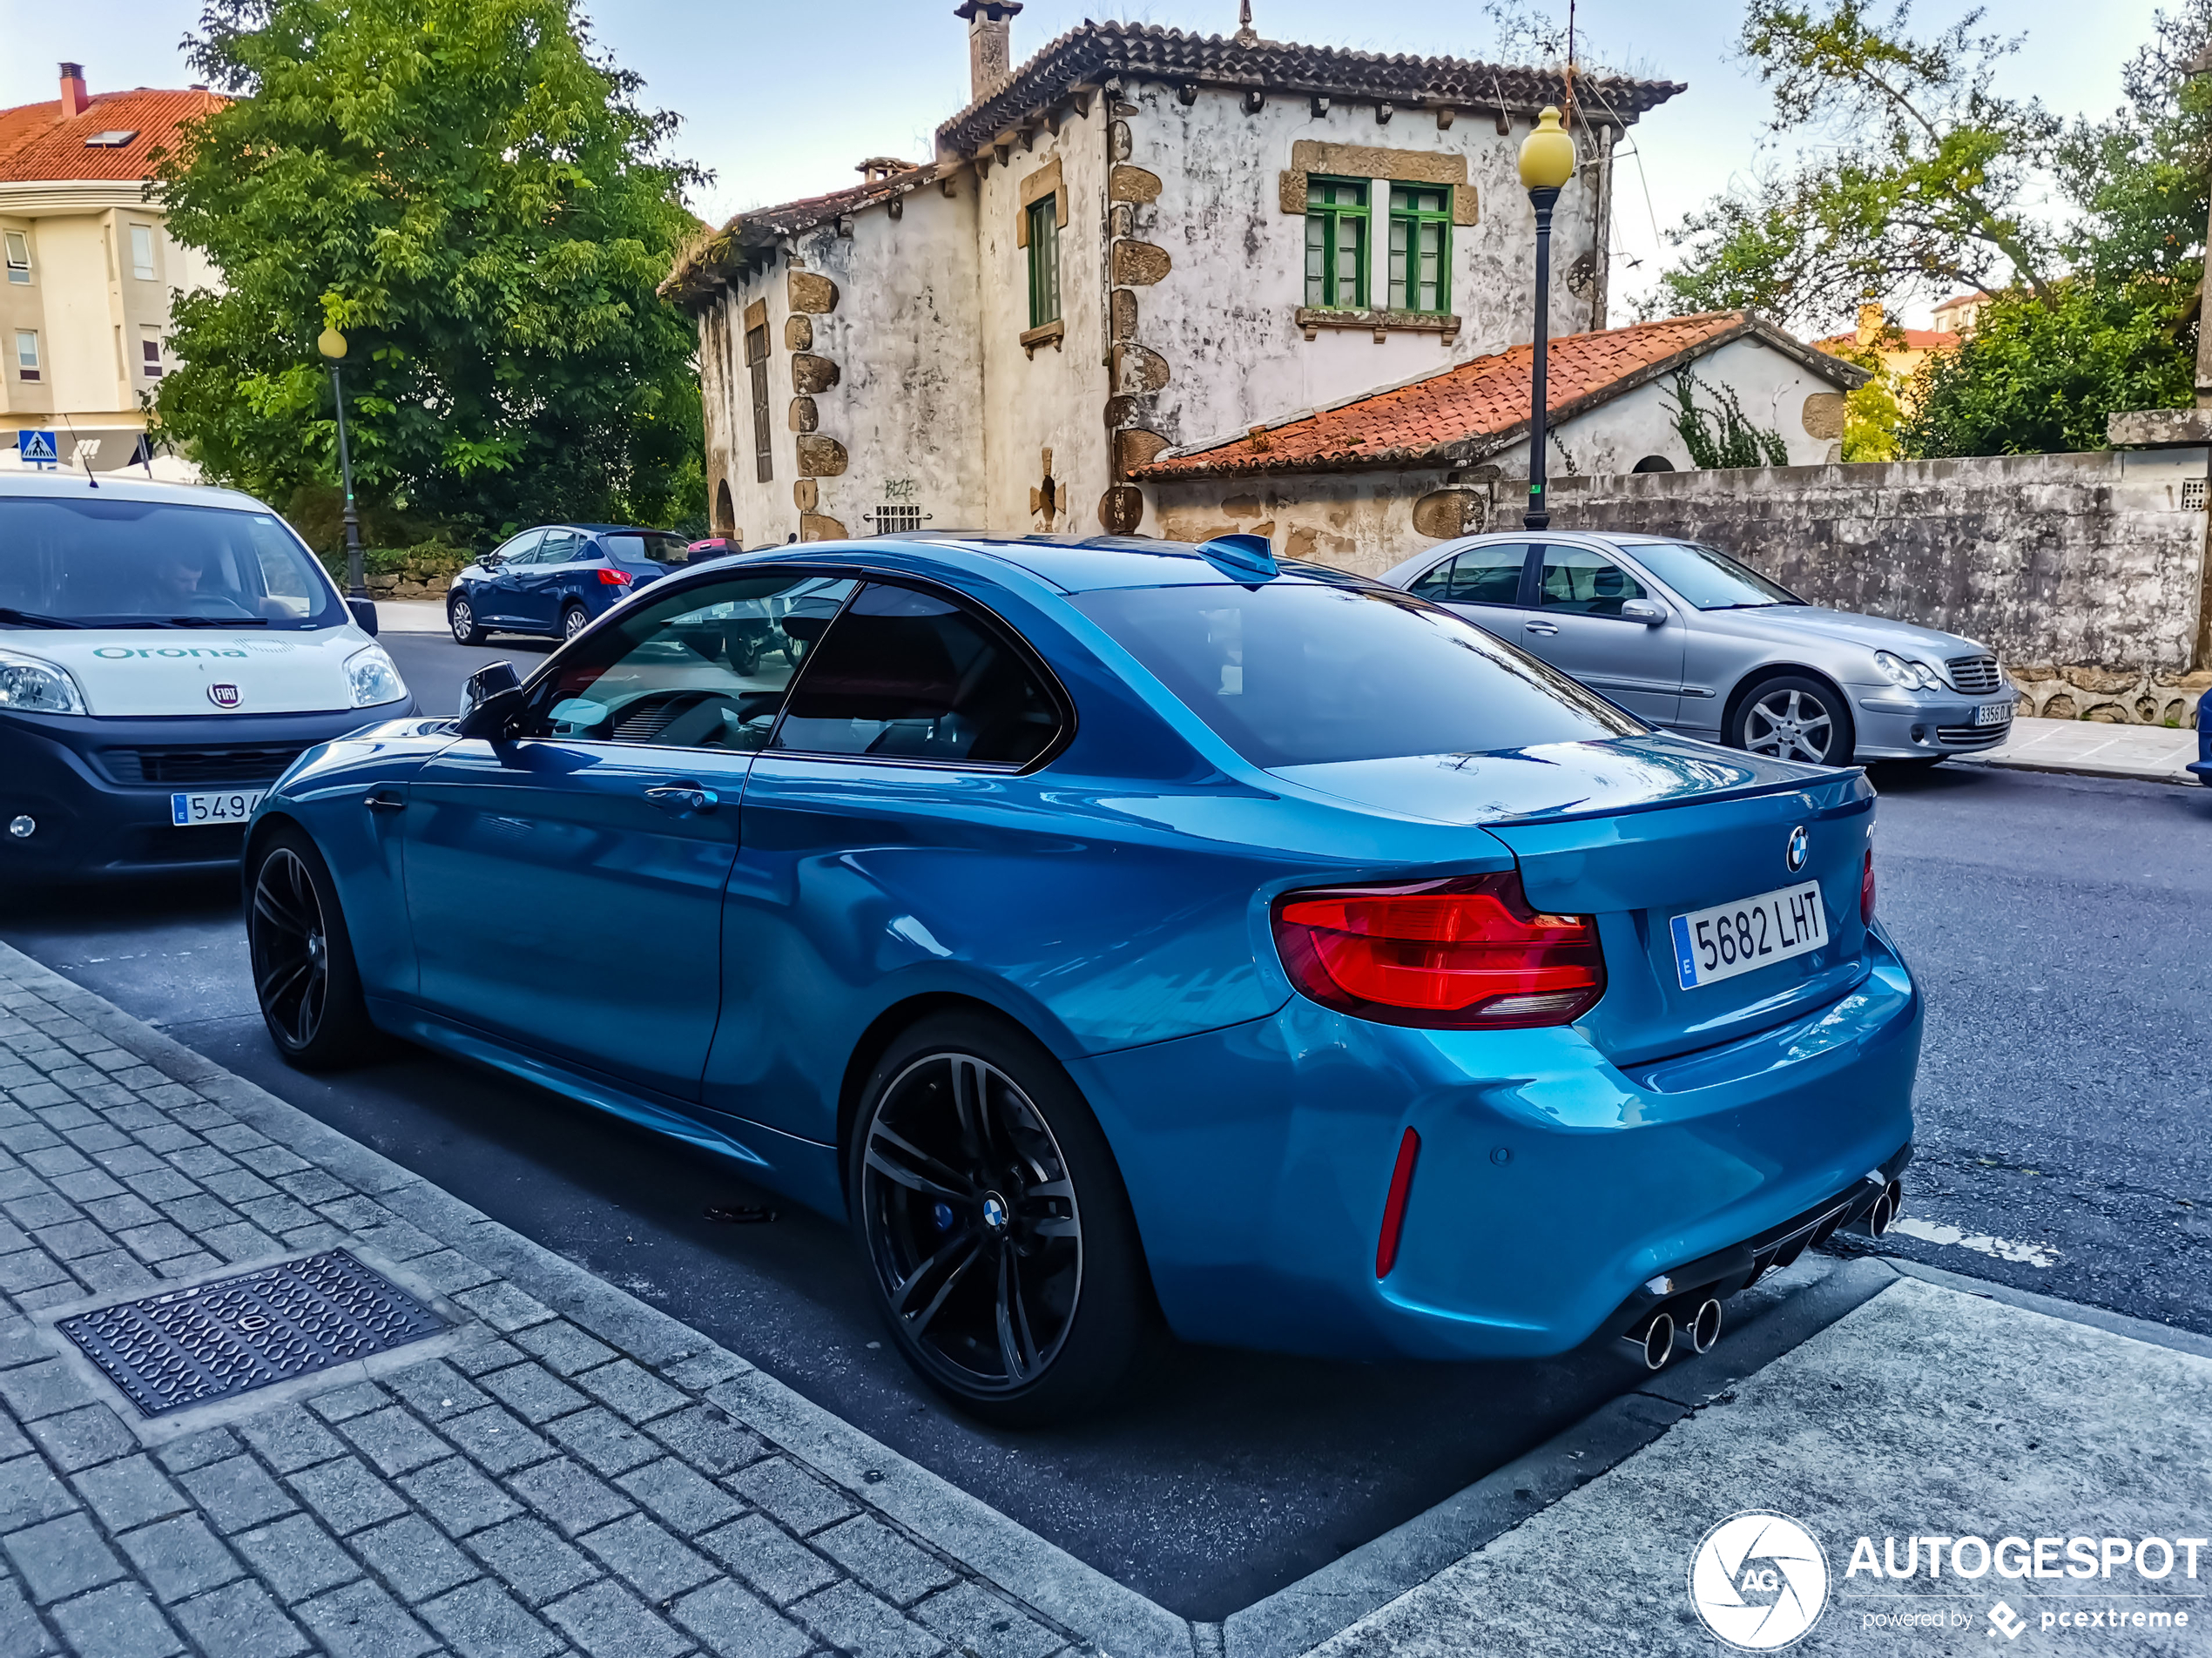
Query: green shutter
x=1420, y=247
x=1045, y=262
x=1336, y=243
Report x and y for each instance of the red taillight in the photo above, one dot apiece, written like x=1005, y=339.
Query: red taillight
x=1866, y=890
x=1468, y=954
x=613, y=578
x=1401, y=1182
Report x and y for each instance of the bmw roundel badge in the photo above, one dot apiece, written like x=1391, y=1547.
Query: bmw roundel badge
x=1794, y=854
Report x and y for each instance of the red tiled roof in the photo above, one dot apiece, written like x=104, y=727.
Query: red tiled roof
x=1478, y=407
x=1895, y=339
x=37, y=143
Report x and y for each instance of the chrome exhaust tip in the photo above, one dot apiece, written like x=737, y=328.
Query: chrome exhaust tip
x=1879, y=1216
x=1705, y=1328
x=1657, y=1343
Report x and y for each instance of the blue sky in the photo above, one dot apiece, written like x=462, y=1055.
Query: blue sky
x=781, y=101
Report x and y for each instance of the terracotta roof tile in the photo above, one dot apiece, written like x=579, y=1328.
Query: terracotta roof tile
x=1477, y=407
x=37, y=143
x=1092, y=51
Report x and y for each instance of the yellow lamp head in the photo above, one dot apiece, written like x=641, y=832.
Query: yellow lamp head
x=1547, y=154
x=331, y=343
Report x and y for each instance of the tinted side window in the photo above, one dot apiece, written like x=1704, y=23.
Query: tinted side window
x=904, y=675
x=1588, y=584
x=556, y=548
x=703, y=669
x=521, y=546
x=1488, y=575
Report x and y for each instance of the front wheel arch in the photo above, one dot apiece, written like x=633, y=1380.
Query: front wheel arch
x=1732, y=710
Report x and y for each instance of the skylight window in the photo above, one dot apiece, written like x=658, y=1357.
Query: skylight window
x=114, y=140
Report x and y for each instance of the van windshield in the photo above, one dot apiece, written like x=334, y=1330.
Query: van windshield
x=93, y=563
x=1301, y=673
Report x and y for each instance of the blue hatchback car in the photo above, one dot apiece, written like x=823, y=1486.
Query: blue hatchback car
x=1120, y=931
x=556, y=579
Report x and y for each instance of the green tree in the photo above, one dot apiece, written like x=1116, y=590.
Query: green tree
x=2141, y=183
x=1917, y=172
x=1873, y=412
x=484, y=208
x=2038, y=375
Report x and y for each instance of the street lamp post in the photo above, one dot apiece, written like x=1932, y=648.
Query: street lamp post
x=331, y=344
x=1546, y=163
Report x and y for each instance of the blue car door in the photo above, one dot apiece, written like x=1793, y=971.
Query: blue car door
x=494, y=598
x=565, y=885
x=891, y=787
x=538, y=586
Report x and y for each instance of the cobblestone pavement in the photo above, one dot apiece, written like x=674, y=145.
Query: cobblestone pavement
x=572, y=1472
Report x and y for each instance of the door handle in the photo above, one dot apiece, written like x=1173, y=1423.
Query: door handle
x=682, y=797
x=1539, y=627
x=383, y=801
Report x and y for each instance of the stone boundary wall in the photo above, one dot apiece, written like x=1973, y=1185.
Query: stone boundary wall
x=2072, y=567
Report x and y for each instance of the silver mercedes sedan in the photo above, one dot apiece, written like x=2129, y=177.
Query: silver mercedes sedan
x=1691, y=639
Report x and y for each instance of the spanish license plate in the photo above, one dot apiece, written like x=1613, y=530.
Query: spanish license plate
x=232, y=806
x=1993, y=714
x=1729, y=939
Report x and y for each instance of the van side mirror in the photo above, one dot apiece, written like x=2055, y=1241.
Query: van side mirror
x=364, y=614
x=1650, y=612
x=490, y=699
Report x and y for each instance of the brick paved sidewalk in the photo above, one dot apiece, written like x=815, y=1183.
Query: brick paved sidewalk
x=572, y=1470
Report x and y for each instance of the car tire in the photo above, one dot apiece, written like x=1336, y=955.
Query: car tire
x=304, y=976
x=1792, y=717
x=995, y=1226
x=460, y=616
x=573, y=622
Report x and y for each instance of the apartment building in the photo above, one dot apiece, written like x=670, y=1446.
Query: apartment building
x=87, y=267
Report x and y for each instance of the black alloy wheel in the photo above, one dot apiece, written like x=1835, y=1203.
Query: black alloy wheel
x=460, y=616
x=302, y=960
x=1793, y=717
x=995, y=1226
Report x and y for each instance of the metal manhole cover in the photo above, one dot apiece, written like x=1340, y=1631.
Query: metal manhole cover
x=213, y=1341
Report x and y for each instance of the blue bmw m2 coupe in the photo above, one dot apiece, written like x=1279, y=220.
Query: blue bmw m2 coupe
x=1121, y=932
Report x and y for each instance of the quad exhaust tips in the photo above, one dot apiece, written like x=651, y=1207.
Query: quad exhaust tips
x=1656, y=1341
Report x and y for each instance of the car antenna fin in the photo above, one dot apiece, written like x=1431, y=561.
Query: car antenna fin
x=1247, y=558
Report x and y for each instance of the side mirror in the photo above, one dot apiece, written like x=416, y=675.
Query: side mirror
x=492, y=696
x=364, y=614
x=1650, y=612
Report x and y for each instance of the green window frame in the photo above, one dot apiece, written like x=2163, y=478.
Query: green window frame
x=1044, y=261
x=1336, y=244
x=1421, y=248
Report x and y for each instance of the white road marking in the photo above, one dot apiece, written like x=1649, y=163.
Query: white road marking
x=2004, y=1249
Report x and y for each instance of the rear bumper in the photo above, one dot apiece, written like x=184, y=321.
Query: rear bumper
x=1551, y=1186
x=1896, y=725
x=62, y=773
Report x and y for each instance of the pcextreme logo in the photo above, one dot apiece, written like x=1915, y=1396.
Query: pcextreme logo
x=1759, y=1581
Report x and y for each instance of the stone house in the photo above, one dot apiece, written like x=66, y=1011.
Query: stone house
x=1365, y=482
x=1137, y=238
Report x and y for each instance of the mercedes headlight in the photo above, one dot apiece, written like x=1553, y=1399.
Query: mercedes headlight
x=1913, y=676
x=36, y=687
x=374, y=677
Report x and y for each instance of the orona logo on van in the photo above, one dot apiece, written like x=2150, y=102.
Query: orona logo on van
x=122, y=653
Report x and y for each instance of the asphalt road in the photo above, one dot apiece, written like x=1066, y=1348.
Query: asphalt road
x=2066, y=1092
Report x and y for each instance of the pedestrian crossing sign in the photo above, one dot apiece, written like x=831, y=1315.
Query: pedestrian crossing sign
x=37, y=447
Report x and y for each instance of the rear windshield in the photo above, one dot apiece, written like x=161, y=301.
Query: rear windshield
x=633, y=547
x=1294, y=673
x=1708, y=578
x=146, y=563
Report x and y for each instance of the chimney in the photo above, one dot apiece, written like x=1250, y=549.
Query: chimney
x=989, y=56
x=74, y=99
x=1871, y=323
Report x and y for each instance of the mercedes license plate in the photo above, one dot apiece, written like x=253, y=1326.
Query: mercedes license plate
x=1729, y=939
x=229, y=806
x=1993, y=714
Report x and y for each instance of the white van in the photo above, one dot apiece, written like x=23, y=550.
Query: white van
x=165, y=651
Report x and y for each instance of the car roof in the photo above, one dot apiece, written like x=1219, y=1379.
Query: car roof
x=69, y=485
x=1076, y=563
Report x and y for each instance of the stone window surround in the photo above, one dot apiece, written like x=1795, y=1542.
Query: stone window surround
x=1036, y=185
x=1381, y=168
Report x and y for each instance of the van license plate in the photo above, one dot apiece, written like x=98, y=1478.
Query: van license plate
x=232, y=806
x=1993, y=714
x=1729, y=939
